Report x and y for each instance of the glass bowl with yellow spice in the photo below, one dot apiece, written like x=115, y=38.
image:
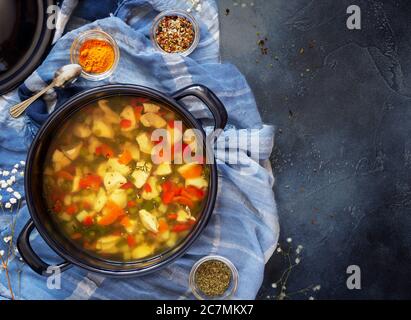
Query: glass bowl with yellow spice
x=213, y=278
x=97, y=53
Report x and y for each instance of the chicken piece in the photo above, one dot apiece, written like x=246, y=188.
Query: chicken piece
x=109, y=115
x=81, y=130
x=145, y=143
x=72, y=152
x=113, y=181
x=148, y=220
x=151, y=107
x=59, y=160
x=141, y=174
x=153, y=120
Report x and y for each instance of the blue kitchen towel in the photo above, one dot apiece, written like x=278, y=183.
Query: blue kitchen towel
x=244, y=225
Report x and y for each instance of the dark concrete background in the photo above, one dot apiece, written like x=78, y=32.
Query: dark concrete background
x=341, y=102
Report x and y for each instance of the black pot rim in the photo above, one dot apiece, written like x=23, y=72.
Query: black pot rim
x=35, y=54
x=76, y=103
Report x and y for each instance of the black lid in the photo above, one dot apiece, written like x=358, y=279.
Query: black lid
x=24, y=39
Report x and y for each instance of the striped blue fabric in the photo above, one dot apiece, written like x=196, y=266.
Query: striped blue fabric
x=244, y=226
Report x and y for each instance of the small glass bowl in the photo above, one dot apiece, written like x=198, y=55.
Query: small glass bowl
x=98, y=35
x=179, y=13
x=231, y=290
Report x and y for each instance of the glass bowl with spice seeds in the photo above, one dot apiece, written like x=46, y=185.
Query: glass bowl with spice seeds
x=175, y=31
x=97, y=53
x=213, y=278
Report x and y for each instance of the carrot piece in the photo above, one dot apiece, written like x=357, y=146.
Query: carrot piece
x=162, y=226
x=105, y=151
x=71, y=209
x=138, y=110
x=65, y=175
x=57, y=207
x=125, y=157
x=193, y=171
x=181, y=227
x=184, y=201
x=147, y=188
x=111, y=212
x=125, y=123
x=193, y=193
x=91, y=182
x=127, y=185
x=172, y=216
x=125, y=222
x=131, y=204
x=76, y=236
x=131, y=241
x=88, y=221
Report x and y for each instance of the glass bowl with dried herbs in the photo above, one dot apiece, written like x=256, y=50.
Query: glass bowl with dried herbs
x=213, y=278
x=175, y=31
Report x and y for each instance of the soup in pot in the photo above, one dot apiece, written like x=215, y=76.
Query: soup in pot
x=108, y=192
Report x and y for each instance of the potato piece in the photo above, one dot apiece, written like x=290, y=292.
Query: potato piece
x=142, y=251
x=102, y=129
x=151, y=107
x=183, y=216
x=113, y=181
x=163, y=169
x=109, y=115
x=155, y=189
x=128, y=114
x=131, y=226
x=153, y=120
x=93, y=144
x=102, y=169
x=114, y=165
x=107, y=244
x=148, y=220
x=82, y=215
x=72, y=152
x=81, y=130
x=76, y=181
x=141, y=174
x=119, y=197
x=135, y=152
x=59, y=160
x=101, y=200
x=199, y=182
x=145, y=143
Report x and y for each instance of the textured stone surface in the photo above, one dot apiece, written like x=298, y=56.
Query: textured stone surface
x=342, y=108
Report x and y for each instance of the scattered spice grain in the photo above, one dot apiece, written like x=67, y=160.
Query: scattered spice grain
x=213, y=278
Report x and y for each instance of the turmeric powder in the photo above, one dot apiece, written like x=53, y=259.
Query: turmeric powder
x=96, y=56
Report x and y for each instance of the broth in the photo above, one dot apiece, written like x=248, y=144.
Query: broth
x=106, y=193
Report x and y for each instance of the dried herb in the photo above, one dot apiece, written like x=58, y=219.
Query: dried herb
x=213, y=278
x=175, y=34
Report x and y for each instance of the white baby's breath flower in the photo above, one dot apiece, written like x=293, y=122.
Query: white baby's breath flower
x=14, y=171
x=1, y=172
x=17, y=195
x=4, y=185
x=311, y=298
x=6, y=173
x=297, y=260
x=23, y=163
x=22, y=173
x=1, y=197
x=10, y=190
x=279, y=249
x=289, y=240
x=274, y=285
x=7, y=205
x=13, y=200
x=317, y=288
x=16, y=166
x=1, y=253
x=7, y=239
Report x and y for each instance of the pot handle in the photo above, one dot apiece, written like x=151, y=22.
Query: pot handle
x=30, y=257
x=209, y=99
